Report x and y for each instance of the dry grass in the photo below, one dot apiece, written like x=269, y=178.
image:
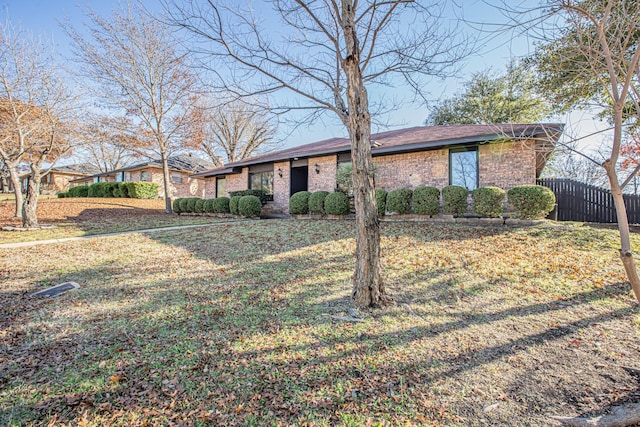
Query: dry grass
x=226, y=326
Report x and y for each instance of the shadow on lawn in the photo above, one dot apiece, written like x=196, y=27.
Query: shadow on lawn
x=250, y=328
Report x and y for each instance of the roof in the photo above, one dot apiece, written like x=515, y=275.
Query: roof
x=77, y=169
x=182, y=163
x=403, y=140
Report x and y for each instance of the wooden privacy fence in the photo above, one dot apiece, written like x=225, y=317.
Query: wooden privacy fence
x=578, y=201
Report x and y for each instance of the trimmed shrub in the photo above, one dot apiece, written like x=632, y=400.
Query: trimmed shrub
x=260, y=194
x=121, y=191
x=454, y=199
x=488, y=201
x=63, y=195
x=199, y=206
x=221, y=205
x=381, y=201
x=184, y=205
x=531, y=201
x=98, y=189
x=176, y=206
x=299, y=203
x=316, y=202
x=111, y=189
x=79, y=191
x=399, y=201
x=336, y=203
x=234, y=201
x=208, y=205
x=142, y=190
x=426, y=201
x=191, y=204
x=249, y=206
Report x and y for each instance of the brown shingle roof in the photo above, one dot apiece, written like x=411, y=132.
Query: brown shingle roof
x=402, y=140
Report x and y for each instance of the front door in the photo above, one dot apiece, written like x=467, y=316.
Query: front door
x=299, y=179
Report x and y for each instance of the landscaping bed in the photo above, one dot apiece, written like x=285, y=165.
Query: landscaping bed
x=87, y=216
x=233, y=325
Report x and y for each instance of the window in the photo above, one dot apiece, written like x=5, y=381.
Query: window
x=119, y=177
x=262, y=181
x=96, y=179
x=221, y=187
x=127, y=176
x=176, y=178
x=143, y=175
x=463, y=167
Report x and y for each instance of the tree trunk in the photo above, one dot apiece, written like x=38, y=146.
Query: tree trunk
x=167, y=182
x=4, y=183
x=17, y=190
x=623, y=228
x=30, y=204
x=368, y=288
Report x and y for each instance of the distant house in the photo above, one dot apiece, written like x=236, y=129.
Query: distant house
x=468, y=155
x=180, y=170
x=59, y=177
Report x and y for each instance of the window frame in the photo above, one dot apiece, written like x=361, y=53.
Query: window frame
x=145, y=178
x=465, y=149
x=173, y=178
x=269, y=196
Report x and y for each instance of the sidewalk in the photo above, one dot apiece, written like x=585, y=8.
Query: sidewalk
x=98, y=236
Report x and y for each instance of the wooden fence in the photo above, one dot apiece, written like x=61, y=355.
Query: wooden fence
x=578, y=201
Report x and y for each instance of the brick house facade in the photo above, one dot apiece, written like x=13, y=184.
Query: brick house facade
x=181, y=168
x=498, y=155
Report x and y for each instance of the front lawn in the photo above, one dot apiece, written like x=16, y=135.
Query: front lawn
x=231, y=325
x=89, y=216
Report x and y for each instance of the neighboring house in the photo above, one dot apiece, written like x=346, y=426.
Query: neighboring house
x=468, y=155
x=180, y=170
x=58, y=179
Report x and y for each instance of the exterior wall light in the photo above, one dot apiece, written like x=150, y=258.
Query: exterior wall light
x=317, y=168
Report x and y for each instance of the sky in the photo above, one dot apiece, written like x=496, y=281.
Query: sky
x=43, y=18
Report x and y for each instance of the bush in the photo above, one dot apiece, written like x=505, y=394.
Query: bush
x=176, y=206
x=299, y=203
x=531, y=201
x=191, y=204
x=399, y=201
x=112, y=189
x=98, y=189
x=142, y=190
x=63, y=195
x=316, y=202
x=381, y=201
x=454, y=199
x=208, y=206
x=336, y=203
x=221, y=205
x=426, y=201
x=234, y=202
x=184, y=205
x=79, y=191
x=260, y=194
x=249, y=206
x=199, y=208
x=121, y=191
x=488, y=201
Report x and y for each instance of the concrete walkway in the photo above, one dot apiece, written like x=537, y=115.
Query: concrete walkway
x=120, y=233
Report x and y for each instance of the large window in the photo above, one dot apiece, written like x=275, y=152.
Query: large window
x=176, y=178
x=463, y=167
x=221, y=186
x=261, y=181
x=143, y=176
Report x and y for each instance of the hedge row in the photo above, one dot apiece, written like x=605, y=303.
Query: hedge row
x=133, y=190
x=247, y=206
x=528, y=201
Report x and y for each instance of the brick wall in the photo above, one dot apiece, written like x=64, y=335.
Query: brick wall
x=281, y=188
x=238, y=181
x=189, y=187
x=326, y=179
x=506, y=165
x=411, y=170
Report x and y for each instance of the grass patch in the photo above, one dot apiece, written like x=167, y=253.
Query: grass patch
x=228, y=326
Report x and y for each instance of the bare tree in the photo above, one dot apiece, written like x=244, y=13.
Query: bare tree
x=4, y=177
x=33, y=101
x=234, y=131
x=325, y=54
x=591, y=56
x=139, y=69
x=108, y=142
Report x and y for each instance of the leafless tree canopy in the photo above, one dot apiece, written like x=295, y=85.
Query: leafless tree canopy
x=138, y=69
